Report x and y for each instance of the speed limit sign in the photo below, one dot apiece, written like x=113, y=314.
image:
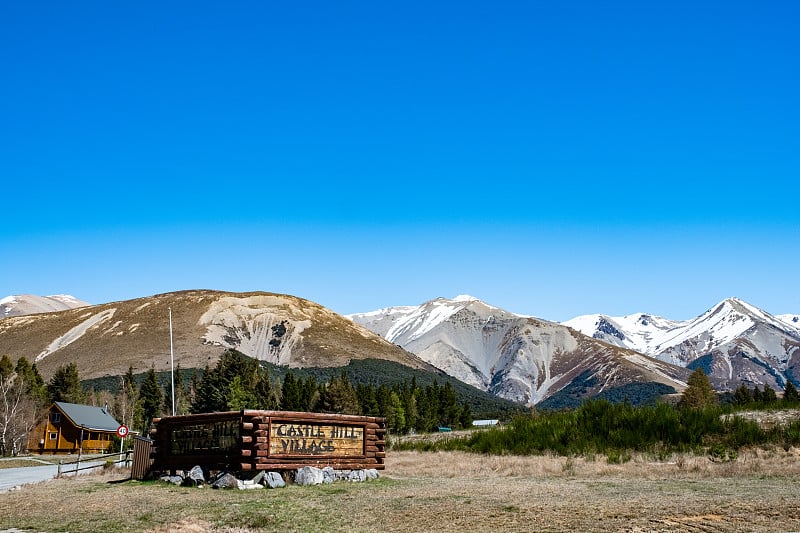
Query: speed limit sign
x=122, y=431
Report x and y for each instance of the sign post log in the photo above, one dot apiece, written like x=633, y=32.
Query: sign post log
x=269, y=440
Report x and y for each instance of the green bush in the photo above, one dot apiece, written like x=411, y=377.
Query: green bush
x=617, y=430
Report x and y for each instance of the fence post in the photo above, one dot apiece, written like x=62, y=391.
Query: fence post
x=60, y=462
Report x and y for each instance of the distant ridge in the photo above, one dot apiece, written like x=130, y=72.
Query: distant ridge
x=734, y=342
x=29, y=304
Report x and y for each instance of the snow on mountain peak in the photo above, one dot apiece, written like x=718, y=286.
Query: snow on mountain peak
x=29, y=304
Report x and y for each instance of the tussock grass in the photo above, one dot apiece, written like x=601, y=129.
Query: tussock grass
x=445, y=491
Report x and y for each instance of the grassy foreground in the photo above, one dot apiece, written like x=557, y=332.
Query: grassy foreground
x=444, y=491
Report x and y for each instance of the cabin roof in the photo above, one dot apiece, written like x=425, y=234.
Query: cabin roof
x=88, y=416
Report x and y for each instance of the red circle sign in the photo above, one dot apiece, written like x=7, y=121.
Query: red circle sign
x=122, y=431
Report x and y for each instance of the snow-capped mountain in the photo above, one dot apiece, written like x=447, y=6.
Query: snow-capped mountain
x=512, y=356
x=29, y=304
x=734, y=342
x=790, y=320
x=639, y=331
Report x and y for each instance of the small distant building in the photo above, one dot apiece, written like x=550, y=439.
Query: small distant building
x=70, y=427
x=485, y=423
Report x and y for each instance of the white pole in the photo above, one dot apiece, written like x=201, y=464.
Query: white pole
x=171, y=362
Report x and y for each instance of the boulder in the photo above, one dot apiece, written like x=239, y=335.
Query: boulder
x=274, y=480
x=309, y=475
x=195, y=477
x=175, y=480
x=227, y=481
x=357, y=475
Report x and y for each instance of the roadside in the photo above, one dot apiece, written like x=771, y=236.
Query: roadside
x=36, y=470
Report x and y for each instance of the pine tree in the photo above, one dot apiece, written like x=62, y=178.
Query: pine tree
x=465, y=416
x=409, y=405
x=309, y=394
x=768, y=396
x=65, y=385
x=267, y=395
x=339, y=396
x=790, y=394
x=239, y=397
x=758, y=397
x=290, y=393
x=742, y=396
x=428, y=408
x=6, y=368
x=212, y=393
x=366, y=400
x=448, y=405
x=150, y=400
x=382, y=397
x=396, y=415
x=34, y=383
x=699, y=393
x=209, y=396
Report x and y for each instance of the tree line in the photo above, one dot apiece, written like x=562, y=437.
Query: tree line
x=698, y=423
x=766, y=397
x=240, y=382
x=236, y=382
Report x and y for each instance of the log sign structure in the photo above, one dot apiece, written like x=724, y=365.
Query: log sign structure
x=268, y=440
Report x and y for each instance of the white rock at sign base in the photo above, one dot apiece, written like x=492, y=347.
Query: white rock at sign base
x=309, y=475
x=274, y=480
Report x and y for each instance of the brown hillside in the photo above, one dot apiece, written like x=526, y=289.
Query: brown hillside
x=106, y=339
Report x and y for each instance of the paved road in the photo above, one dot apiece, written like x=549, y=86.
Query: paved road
x=13, y=477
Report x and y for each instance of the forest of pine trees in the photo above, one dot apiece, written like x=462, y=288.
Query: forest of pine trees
x=239, y=382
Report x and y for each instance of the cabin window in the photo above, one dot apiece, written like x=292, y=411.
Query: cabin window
x=55, y=418
x=53, y=435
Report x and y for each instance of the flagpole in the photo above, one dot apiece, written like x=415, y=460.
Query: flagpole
x=171, y=362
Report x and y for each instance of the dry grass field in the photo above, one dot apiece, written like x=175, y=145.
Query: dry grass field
x=444, y=492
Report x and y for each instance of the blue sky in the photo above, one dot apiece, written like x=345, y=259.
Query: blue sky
x=554, y=159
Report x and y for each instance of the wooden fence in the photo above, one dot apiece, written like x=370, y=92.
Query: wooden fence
x=268, y=440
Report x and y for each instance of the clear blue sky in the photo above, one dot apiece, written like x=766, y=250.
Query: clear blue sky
x=551, y=158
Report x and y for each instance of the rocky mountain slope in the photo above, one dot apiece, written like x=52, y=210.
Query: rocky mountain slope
x=106, y=339
x=29, y=304
x=734, y=342
x=515, y=357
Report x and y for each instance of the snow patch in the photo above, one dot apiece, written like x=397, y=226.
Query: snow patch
x=76, y=333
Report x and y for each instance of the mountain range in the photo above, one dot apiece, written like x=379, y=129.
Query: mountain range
x=516, y=357
x=734, y=342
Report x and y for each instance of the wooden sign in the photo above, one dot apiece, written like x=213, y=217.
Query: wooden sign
x=215, y=437
x=288, y=438
x=268, y=440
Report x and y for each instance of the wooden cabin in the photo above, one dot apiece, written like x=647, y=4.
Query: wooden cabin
x=71, y=427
